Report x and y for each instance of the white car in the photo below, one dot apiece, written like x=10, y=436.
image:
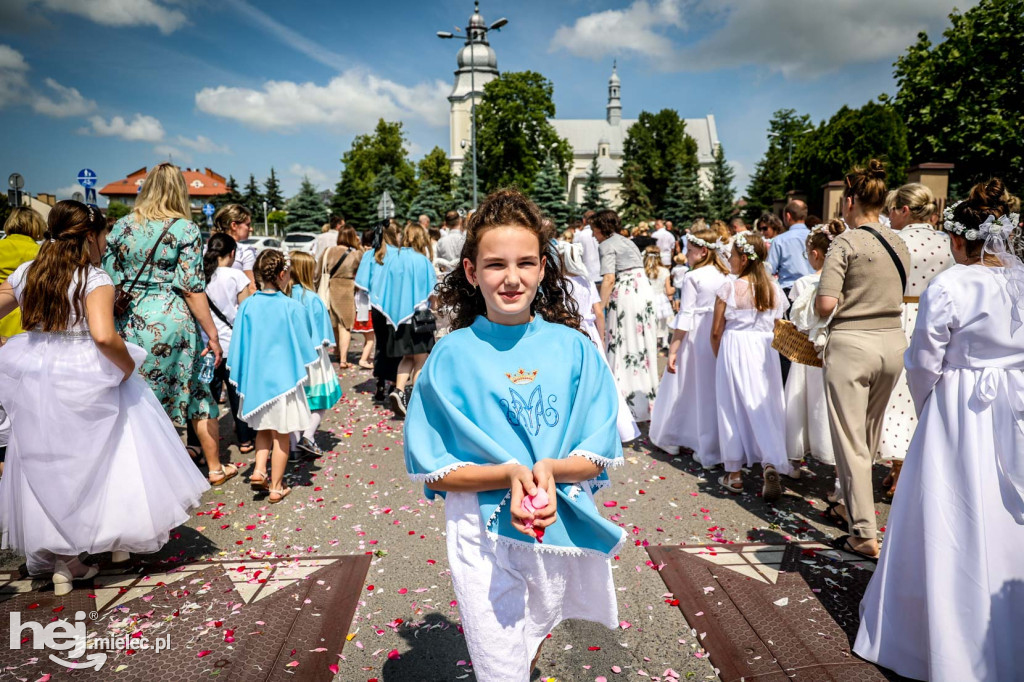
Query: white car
x=261, y=243
x=301, y=241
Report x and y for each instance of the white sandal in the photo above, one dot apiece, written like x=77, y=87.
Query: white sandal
x=63, y=577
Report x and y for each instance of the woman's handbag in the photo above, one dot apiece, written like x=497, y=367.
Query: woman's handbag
x=123, y=297
x=424, y=322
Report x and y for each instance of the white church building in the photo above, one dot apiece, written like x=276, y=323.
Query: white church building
x=600, y=138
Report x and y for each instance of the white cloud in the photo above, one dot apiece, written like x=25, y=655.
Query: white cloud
x=203, y=144
x=317, y=176
x=15, y=89
x=797, y=38
x=65, y=192
x=619, y=31
x=121, y=12
x=166, y=151
x=350, y=102
x=141, y=128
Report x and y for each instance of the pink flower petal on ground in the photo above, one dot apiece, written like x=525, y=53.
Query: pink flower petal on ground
x=616, y=669
x=394, y=655
x=293, y=664
x=333, y=667
x=625, y=624
x=204, y=652
x=611, y=503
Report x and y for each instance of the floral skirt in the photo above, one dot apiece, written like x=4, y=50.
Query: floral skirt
x=633, y=341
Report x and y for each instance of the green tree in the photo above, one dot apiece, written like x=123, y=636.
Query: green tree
x=721, y=198
x=851, y=137
x=367, y=156
x=117, y=210
x=549, y=192
x=684, y=201
x=306, y=211
x=592, y=199
x=656, y=143
x=252, y=199
x=232, y=196
x=768, y=182
x=428, y=201
x=961, y=98
x=462, y=191
x=514, y=134
x=272, y=190
x=636, y=201
x=350, y=198
x=385, y=180
x=436, y=168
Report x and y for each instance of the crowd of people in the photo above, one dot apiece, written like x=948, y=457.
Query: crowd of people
x=522, y=358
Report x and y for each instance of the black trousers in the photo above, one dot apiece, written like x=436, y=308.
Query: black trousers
x=385, y=367
x=786, y=362
x=220, y=381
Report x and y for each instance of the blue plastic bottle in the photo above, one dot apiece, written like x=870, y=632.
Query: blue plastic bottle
x=206, y=371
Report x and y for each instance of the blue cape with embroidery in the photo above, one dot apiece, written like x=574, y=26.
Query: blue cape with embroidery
x=271, y=348
x=319, y=317
x=491, y=394
x=406, y=282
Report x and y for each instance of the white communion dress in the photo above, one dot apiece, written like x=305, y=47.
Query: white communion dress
x=686, y=412
x=748, y=382
x=946, y=602
x=94, y=464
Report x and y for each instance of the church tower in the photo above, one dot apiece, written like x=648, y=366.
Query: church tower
x=614, y=115
x=478, y=65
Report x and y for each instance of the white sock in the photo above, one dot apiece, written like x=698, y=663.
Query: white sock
x=314, y=424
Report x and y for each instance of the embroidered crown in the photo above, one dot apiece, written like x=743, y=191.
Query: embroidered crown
x=522, y=376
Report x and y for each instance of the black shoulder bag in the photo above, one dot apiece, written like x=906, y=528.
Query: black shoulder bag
x=892, y=254
x=123, y=297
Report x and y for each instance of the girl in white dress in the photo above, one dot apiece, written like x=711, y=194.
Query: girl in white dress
x=658, y=276
x=748, y=374
x=911, y=209
x=686, y=414
x=124, y=480
x=946, y=602
x=271, y=354
x=807, y=428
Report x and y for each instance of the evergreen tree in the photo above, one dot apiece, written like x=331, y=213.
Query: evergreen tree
x=592, y=199
x=656, y=143
x=252, y=199
x=721, y=198
x=428, y=201
x=272, y=195
x=232, y=196
x=768, y=182
x=385, y=180
x=549, y=193
x=436, y=167
x=462, y=191
x=684, y=201
x=636, y=201
x=306, y=211
x=350, y=199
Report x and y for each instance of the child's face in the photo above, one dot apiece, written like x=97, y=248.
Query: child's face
x=694, y=254
x=815, y=258
x=736, y=261
x=508, y=270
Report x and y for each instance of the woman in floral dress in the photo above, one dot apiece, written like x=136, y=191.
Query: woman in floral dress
x=628, y=299
x=167, y=301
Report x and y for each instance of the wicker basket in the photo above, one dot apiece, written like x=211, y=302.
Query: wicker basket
x=794, y=344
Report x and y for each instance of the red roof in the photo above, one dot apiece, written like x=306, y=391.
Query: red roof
x=200, y=183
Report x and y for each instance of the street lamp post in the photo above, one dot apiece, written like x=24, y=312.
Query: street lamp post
x=265, y=218
x=473, y=35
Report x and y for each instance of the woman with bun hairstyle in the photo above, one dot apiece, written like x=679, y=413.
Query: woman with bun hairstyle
x=946, y=602
x=94, y=464
x=270, y=324
x=911, y=210
x=862, y=285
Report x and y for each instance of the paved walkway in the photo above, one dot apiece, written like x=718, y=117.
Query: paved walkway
x=357, y=500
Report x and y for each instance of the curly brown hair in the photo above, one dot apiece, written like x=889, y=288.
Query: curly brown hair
x=509, y=207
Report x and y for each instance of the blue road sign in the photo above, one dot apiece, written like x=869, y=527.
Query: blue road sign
x=208, y=210
x=87, y=177
x=90, y=195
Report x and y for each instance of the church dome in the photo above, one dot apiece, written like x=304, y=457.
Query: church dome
x=614, y=80
x=479, y=55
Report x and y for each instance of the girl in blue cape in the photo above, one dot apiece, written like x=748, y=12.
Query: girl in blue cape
x=514, y=402
x=369, y=279
x=271, y=353
x=323, y=389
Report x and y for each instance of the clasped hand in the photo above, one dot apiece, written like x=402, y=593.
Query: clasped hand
x=524, y=482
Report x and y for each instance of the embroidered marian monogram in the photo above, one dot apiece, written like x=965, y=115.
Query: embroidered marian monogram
x=531, y=413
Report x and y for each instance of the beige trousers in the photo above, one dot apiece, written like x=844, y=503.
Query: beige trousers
x=861, y=370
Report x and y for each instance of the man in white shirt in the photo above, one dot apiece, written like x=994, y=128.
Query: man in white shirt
x=666, y=242
x=330, y=237
x=591, y=257
x=448, y=252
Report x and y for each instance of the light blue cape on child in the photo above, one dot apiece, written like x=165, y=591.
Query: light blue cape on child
x=323, y=389
x=491, y=394
x=319, y=317
x=369, y=273
x=407, y=281
x=271, y=348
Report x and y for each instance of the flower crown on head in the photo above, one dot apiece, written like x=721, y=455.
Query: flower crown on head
x=740, y=242
x=822, y=228
x=697, y=241
x=997, y=227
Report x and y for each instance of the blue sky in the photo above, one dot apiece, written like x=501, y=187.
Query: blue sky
x=243, y=85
